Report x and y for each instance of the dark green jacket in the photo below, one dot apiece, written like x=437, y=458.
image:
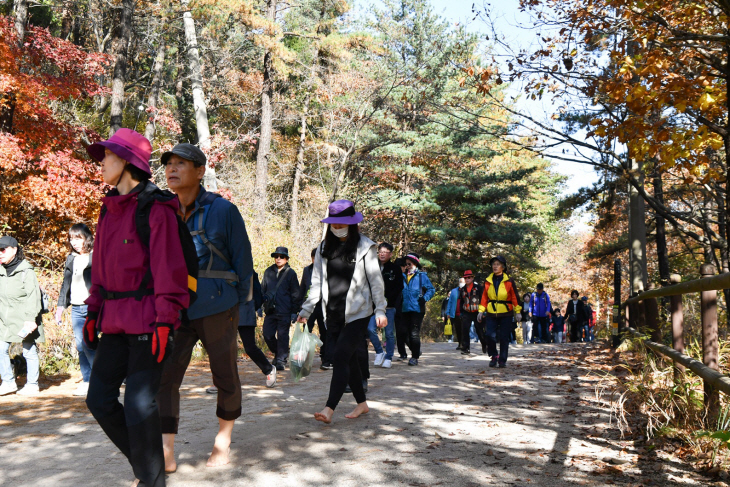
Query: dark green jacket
x=20, y=301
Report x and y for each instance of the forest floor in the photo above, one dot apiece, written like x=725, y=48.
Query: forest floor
x=449, y=421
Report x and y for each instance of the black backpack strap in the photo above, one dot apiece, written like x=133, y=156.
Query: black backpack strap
x=229, y=276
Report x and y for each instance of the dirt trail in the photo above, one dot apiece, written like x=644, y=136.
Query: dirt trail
x=449, y=421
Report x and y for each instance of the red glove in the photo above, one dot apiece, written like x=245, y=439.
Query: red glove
x=91, y=338
x=161, y=339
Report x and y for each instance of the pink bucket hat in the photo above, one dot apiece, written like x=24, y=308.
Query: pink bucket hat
x=127, y=144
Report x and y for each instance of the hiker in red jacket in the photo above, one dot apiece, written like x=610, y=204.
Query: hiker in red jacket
x=136, y=297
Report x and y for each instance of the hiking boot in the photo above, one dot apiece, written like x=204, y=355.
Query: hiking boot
x=502, y=365
x=279, y=366
x=326, y=366
x=413, y=361
x=402, y=358
x=29, y=390
x=459, y=347
x=379, y=357
x=271, y=378
x=465, y=352
x=493, y=362
x=387, y=363
x=212, y=390
x=484, y=348
x=82, y=389
x=8, y=387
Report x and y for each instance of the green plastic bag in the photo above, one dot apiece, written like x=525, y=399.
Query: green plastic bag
x=302, y=351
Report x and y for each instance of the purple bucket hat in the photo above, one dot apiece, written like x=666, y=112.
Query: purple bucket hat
x=343, y=211
x=127, y=144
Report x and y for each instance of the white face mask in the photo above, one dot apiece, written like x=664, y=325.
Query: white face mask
x=462, y=284
x=340, y=232
x=411, y=270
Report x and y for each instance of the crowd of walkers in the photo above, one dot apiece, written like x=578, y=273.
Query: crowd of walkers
x=168, y=269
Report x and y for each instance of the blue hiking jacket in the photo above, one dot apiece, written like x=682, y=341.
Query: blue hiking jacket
x=225, y=229
x=451, y=305
x=540, y=304
x=419, y=287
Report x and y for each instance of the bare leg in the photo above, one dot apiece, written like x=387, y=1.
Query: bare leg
x=325, y=415
x=360, y=409
x=168, y=447
x=135, y=483
x=222, y=444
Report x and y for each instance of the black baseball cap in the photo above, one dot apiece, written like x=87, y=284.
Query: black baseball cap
x=7, y=241
x=186, y=151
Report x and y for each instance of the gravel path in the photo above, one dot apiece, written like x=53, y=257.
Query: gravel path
x=449, y=421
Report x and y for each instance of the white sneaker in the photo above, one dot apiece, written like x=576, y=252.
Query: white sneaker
x=271, y=377
x=387, y=363
x=82, y=389
x=8, y=387
x=29, y=390
x=379, y=358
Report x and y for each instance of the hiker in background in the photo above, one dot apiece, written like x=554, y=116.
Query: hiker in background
x=317, y=317
x=401, y=333
x=590, y=320
x=558, y=326
x=20, y=306
x=525, y=320
x=348, y=280
x=74, y=291
x=469, y=296
x=453, y=311
x=224, y=282
x=540, y=310
x=393, y=282
x=282, y=300
x=417, y=291
x=575, y=316
x=497, y=309
x=138, y=290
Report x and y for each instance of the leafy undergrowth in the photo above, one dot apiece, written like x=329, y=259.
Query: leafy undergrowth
x=662, y=411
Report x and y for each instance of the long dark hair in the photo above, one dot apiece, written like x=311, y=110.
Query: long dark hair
x=331, y=243
x=79, y=229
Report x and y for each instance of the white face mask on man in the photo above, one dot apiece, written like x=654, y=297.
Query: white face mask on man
x=340, y=232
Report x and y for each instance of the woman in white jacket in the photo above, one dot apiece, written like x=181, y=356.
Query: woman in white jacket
x=347, y=279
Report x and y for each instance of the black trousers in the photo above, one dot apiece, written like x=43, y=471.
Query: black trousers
x=276, y=335
x=346, y=364
x=401, y=334
x=574, y=331
x=412, y=322
x=318, y=318
x=456, y=327
x=248, y=337
x=135, y=426
x=466, y=320
x=499, y=330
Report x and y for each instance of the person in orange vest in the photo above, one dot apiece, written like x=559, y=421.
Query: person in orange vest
x=497, y=309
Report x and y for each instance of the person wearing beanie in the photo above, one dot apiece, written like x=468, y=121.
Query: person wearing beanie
x=20, y=320
x=417, y=291
x=347, y=281
x=138, y=291
x=498, y=310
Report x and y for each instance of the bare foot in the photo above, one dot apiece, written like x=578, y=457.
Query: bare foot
x=135, y=483
x=221, y=449
x=360, y=409
x=325, y=415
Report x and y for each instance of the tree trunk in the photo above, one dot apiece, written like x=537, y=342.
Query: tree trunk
x=124, y=34
x=21, y=19
x=293, y=222
x=149, y=130
x=264, y=146
x=661, y=231
x=8, y=100
x=196, y=77
x=637, y=233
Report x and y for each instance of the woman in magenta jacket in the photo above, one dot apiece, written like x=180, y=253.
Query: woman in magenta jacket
x=136, y=297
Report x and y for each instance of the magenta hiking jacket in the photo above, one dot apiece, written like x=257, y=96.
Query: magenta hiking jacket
x=121, y=261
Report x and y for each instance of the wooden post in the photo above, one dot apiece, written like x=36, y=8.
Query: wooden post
x=710, y=345
x=677, y=325
x=640, y=320
x=616, y=325
x=651, y=312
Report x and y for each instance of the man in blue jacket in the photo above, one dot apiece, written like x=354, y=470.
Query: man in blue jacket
x=417, y=291
x=224, y=282
x=540, y=307
x=282, y=302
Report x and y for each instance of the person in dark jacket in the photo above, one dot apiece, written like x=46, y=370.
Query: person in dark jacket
x=136, y=321
x=558, y=325
x=417, y=291
x=287, y=301
x=393, y=279
x=575, y=316
x=401, y=332
x=317, y=317
x=453, y=311
x=470, y=297
x=224, y=289
x=74, y=291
